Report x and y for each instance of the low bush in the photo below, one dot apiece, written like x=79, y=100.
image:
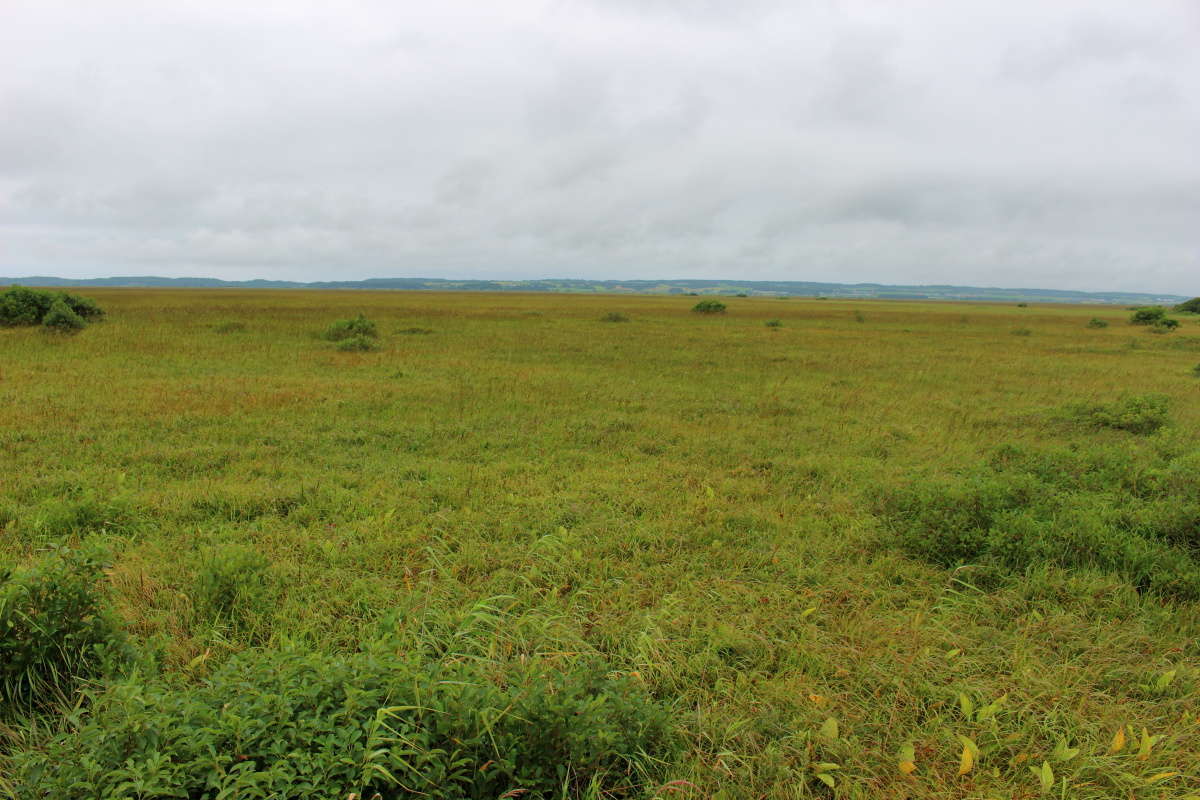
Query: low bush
x=1141, y=414
x=774, y=323
x=357, y=344
x=21, y=305
x=1196, y=370
x=375, y=724
x=229, y=327
x=1101, y=509
x=62, y=319
x=1166, y=325
x=1189, y=306
x=614, y=316
x=56, y=629
x=1147, y=315
x=709, y=307
x=1021, y=332
x=357, y=327
x=1096, y=322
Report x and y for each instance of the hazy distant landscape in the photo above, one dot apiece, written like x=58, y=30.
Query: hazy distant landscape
x=720, y=287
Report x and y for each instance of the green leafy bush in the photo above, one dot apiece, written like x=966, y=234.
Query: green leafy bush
x=356, y=344
x=1096, y=322
x=1189, y=306
x=774, y=323
x=1021, y=332
x=1147, y=315
x=356, y=327
x=709, y=307
x=62, y=319
x=614, y=316
x=1099, y=509
x=229, y=327
x=1165, y=325
x=376, y=724
x=21, y=305
x=56, y=628
x=1142, y=414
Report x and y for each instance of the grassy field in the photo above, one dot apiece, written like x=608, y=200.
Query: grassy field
x=745, y=523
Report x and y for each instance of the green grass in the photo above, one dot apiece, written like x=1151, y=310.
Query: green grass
x=692, y=501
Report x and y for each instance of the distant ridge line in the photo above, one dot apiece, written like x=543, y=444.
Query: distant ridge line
x=575, y=285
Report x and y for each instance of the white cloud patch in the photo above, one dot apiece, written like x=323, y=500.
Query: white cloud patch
x=999, y=143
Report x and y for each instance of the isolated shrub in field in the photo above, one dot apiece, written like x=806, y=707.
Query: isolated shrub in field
x=1189, y=306
x=356, y=344
x=709, y=307
x=1147, y=315
x=21, y=305
x=1143, y=413
x=1196, y=370
x=231, y=586
x=296, y=724
x=56, y=628
x=1096, y=322
x=62, y=319
x=1024, y=508
x=229, y=327
x=359, y=326
x=614, y=316
x=1021, y=332
x=774, y=323
x=1165, y=325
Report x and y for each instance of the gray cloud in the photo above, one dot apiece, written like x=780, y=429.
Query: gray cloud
x=992, y=142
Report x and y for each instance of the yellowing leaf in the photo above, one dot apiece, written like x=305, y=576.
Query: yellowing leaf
x=907, y=767
x=1162, y=776
x=907, y=759
x=965, y=705
x=1045, y=776
x=1118, y=742
x=1146, y=744
x=967, y=763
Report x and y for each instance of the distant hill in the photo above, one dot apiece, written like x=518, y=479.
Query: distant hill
x=570, y=285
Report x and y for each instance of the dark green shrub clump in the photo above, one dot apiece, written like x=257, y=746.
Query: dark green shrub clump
x=1189, y=306
x=356, y=344
x=774, y=323
x=358, y=327
x=1147, y=316
x=61, y=318
x=1134, y=516
x=614, y=316
x=1165, y=325
x=709, y=307
x=1142, y=414
x=1096, y=322
x=56, y=628
x=56, y=310
x=295, y=724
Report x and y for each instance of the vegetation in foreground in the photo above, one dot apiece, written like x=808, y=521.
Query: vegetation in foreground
x=877, y=550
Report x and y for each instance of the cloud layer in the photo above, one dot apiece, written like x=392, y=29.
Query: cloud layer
x=987, y=143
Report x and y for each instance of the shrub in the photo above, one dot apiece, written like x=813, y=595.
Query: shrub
x=21, y=305
x=614, y=316
x=231, y=586
x=1145, y=413
x=1189, y=306
x=774, y=323
x=229, y=327
x=343, y=329
x=62, y=319
x=1147, y=315
x=709, y=307
x=374, y=724
x=1096, y=322
x=356, y=344
x=1073, y=509
x=1165, y=325
x=1196, y=370
x=1021, y=332
x=1022, y=305
x=56, y=628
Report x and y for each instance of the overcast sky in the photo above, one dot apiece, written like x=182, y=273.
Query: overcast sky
x=1040, y=143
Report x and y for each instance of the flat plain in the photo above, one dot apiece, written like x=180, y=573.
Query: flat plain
x=724, y=512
